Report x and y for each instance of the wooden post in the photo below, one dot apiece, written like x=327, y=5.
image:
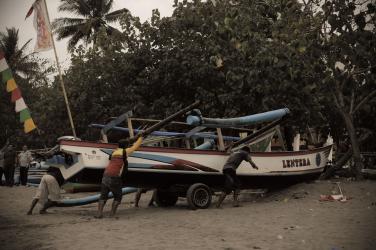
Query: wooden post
x=104, y=137
x=61, y=78
x=194, y=142
x=221, y=144
x=187, y=144
x=130, y=127
x=280, y=138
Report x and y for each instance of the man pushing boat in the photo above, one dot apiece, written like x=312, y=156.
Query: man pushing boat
x=232, y=182
x=114, y=174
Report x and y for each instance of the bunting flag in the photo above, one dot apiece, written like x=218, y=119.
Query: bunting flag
x=29, y=125
x=25, y=115
x=42, y=25
x=3, y=64
x=20, y=105
x=7, y=75
x=16, y=94
x=11, y=86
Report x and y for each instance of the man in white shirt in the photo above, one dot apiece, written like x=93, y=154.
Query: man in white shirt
x=24, y=158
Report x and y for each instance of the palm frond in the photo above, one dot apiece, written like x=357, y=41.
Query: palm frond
x=25, y=45
x=23, y=64
x=9, y=41
x=18, y=54
x=112, y=31
x=116, y=15
x=67, y=31
x=93, y=15
x=66, y=21
x=79, y=7
x=107, y=6
x=74, y=40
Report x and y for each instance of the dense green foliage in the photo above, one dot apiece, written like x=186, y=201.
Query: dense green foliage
x=240, y=57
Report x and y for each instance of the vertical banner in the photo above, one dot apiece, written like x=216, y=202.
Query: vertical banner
x=45, y=41
x=43, y=27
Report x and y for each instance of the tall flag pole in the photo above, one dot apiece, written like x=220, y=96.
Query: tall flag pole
x=20, y=105
x=45, y=41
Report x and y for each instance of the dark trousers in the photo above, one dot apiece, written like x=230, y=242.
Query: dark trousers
x=232, y=182
x=9, y=175
x=1, y=175
x=23, y=175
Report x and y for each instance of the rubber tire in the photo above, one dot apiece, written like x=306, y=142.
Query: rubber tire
x=202, y=190
x=165, y=198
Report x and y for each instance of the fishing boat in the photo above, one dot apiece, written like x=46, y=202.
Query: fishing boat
x=156, y=167
x=193, y=173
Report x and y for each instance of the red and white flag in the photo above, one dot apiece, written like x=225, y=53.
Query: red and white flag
x=42, y=25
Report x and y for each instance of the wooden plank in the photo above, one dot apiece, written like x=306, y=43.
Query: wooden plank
x=221, y=144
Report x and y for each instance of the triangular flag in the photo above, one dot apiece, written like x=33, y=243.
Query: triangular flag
x=20, y=105
x=3, y=65
x=24, y=115
x=29, y=125
x=7, y=74
x=11, y=85
x=16, y=94
x=29, y=12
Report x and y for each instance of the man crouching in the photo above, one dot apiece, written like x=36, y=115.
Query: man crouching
x=48, y=193
x=114, y=174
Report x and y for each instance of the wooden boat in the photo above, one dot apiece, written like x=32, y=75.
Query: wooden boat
x=191, y=173
x=174, y=172
x=155, y=167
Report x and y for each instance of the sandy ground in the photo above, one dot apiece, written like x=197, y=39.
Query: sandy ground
x=292, y=218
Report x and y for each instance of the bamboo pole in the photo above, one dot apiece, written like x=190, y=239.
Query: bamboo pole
x=221, y=144
x=61, y=77
x=130, y=127
x=169, y=119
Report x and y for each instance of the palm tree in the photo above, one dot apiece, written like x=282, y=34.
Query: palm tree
x=94, y=15
x=22, y=64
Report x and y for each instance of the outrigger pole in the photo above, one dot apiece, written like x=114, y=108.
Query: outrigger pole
x=61, y=77
x=164, y=122
x=257, y=133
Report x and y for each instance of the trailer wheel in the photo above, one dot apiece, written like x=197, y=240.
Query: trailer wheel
x=165, y=198
x=199, y=196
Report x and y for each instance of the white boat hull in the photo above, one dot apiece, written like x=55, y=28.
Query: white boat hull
x=152, y=166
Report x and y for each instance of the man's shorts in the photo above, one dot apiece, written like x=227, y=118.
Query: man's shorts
x=113, y=184
x=232, y=182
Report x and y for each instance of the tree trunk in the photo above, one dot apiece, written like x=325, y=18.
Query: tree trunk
x=339, y=164
x=358, y=164
x=342, y=161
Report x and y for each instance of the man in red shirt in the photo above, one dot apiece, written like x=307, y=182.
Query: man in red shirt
x=112, y=176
